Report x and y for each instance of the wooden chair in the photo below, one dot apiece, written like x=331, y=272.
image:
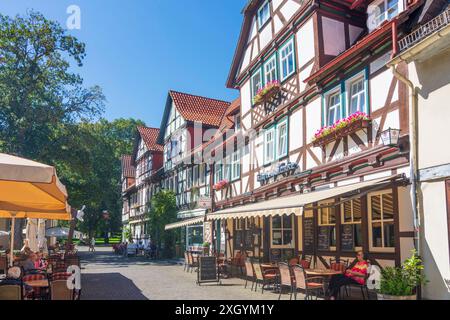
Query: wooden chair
x=263, y=277
x=285, y=278
x=60, y=291
x=305, y=264
x=249, y=273
x=11, y=292
x=72, y=260
x=293, y=262
x=60, y=276
x=307, y=284
x=338, y=265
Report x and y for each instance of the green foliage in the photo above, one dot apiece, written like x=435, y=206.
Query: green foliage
x=403, y=281
x=127, y=234
x=206, y=244
x=163, y=211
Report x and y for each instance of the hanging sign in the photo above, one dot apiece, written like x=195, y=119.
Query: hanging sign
x=284, y=168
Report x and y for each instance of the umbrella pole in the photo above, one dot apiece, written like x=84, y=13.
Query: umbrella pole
x=13, y=225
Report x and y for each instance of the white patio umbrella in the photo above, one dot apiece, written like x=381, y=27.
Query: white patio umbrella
x=30, y=189
x=62, y=232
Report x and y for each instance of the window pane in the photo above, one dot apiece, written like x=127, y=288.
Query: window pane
x=357, y=235
x=287, y=237
x=332, y=231
x=332, y=215
x=277, y=237
x=323, y=216
x=376, y=207
x=287, y=222
x=389, y=239
x=388, y=206
x=357, y=210
x=282, y=140
x=276, y=222
x=376, y=235
x=347, y=207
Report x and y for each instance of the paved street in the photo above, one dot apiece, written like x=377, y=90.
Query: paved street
x=106, y=276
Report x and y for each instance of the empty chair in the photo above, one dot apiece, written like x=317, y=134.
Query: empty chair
x=285, y=278
x=10, y=292
x=265, y=278
x=293, y=261
x=60, y=276
x=338, y=265
x=249, y=273
x=307, y=284
x=60, y=291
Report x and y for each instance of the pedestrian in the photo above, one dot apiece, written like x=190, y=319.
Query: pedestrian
x=92, y=245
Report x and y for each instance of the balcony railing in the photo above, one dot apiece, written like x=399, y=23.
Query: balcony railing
x=424, y=31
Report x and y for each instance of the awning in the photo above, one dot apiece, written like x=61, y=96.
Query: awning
x=184, y=223
x=293, y=204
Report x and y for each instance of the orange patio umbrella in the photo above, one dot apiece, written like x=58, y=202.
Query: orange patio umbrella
x=30, y=189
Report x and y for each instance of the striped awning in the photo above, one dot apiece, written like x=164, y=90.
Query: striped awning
x=294, y=204
x=184, y=223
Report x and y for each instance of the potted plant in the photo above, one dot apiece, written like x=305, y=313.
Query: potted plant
x=206, y=246
x=267, y=92
x=401, y=283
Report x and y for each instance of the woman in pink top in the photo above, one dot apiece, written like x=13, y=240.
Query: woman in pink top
x=355, y=275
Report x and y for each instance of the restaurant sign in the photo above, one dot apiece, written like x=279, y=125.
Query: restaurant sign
x=204, y=202
x=285, y=168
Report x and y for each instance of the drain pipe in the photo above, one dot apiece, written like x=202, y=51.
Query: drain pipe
x=415, y=186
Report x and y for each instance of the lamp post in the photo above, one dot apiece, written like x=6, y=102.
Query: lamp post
x=390, y=137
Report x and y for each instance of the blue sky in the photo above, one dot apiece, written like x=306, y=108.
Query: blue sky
x=139, y=49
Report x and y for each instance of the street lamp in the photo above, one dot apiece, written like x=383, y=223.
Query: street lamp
x=390, y=137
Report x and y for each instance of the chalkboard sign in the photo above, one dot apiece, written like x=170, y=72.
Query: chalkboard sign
x=207, y=270
x=308, y=235
x=238, y=243
x=347, y=238
x=323, y=239
x=249, y=239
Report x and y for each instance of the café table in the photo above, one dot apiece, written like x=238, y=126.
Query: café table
x=326, y=274
x=41, y=284
x=272, y=268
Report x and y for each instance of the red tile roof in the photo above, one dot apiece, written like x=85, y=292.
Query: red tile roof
x=150, y=135
x=199, y=109
x=128, y=170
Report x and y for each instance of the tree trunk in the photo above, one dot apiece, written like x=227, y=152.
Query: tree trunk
x=73, y=224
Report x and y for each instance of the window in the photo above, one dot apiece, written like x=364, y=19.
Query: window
x=351, y=215
x=333, y=104
x=287, y=60
x=270, y=70
x=381, y=215
x=282, y=228
x=195, y=174
x=269, y=145
x=226, y=168
x=235, y=165
x=237, y=122
x=383, y=10
x=263, y=14
x=218, y=172
x=282, y=136
x=327, y=218
x=202, y=173
x=256, y=83
x=356, y=95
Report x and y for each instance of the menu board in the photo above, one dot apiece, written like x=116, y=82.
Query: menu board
x=308, y=235
x=207, y=270
x=347, y=238
x=249, y=239
x=238, y=239
x=323, y=239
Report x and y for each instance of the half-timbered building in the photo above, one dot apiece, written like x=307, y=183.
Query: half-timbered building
x=325, y=163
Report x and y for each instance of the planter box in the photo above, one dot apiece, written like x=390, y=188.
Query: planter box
x=272, y=92
x=343, y=132
x=389, y=297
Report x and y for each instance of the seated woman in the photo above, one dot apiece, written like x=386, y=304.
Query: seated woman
x=354, y=276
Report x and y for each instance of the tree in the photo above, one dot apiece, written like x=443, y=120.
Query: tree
x=40, y=98
x=163, y=210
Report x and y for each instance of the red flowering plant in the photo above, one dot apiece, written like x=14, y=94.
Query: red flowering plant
x=340, y=124
x=220, y=185
x=268, y=91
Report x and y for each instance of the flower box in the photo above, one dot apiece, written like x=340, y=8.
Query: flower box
x=220, y=185
x=267, y=93
x=341, y=128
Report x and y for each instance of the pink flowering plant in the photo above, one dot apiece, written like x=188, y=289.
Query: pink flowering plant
x=267, y=91
x=220, y=185
x=340, y=124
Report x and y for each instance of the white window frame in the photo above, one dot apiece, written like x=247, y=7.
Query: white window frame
x=282, y=59
x=383, y=16
x=226, y=169
x=349, y=85
x=261, y=23
x=253, y=89
x=337, y=107
x=235, y=165
x=282, y=152
x=382, y=221
x=218, y=172
x=272, y=63
x=266, y=133
x=282, y=230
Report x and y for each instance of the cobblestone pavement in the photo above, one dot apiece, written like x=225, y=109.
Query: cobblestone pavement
x=106, y=276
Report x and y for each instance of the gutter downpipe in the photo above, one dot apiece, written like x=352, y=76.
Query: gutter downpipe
x=413, y=155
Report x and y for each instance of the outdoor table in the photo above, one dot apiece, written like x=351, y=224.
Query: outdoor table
x=38, y=283
x=325, y=273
